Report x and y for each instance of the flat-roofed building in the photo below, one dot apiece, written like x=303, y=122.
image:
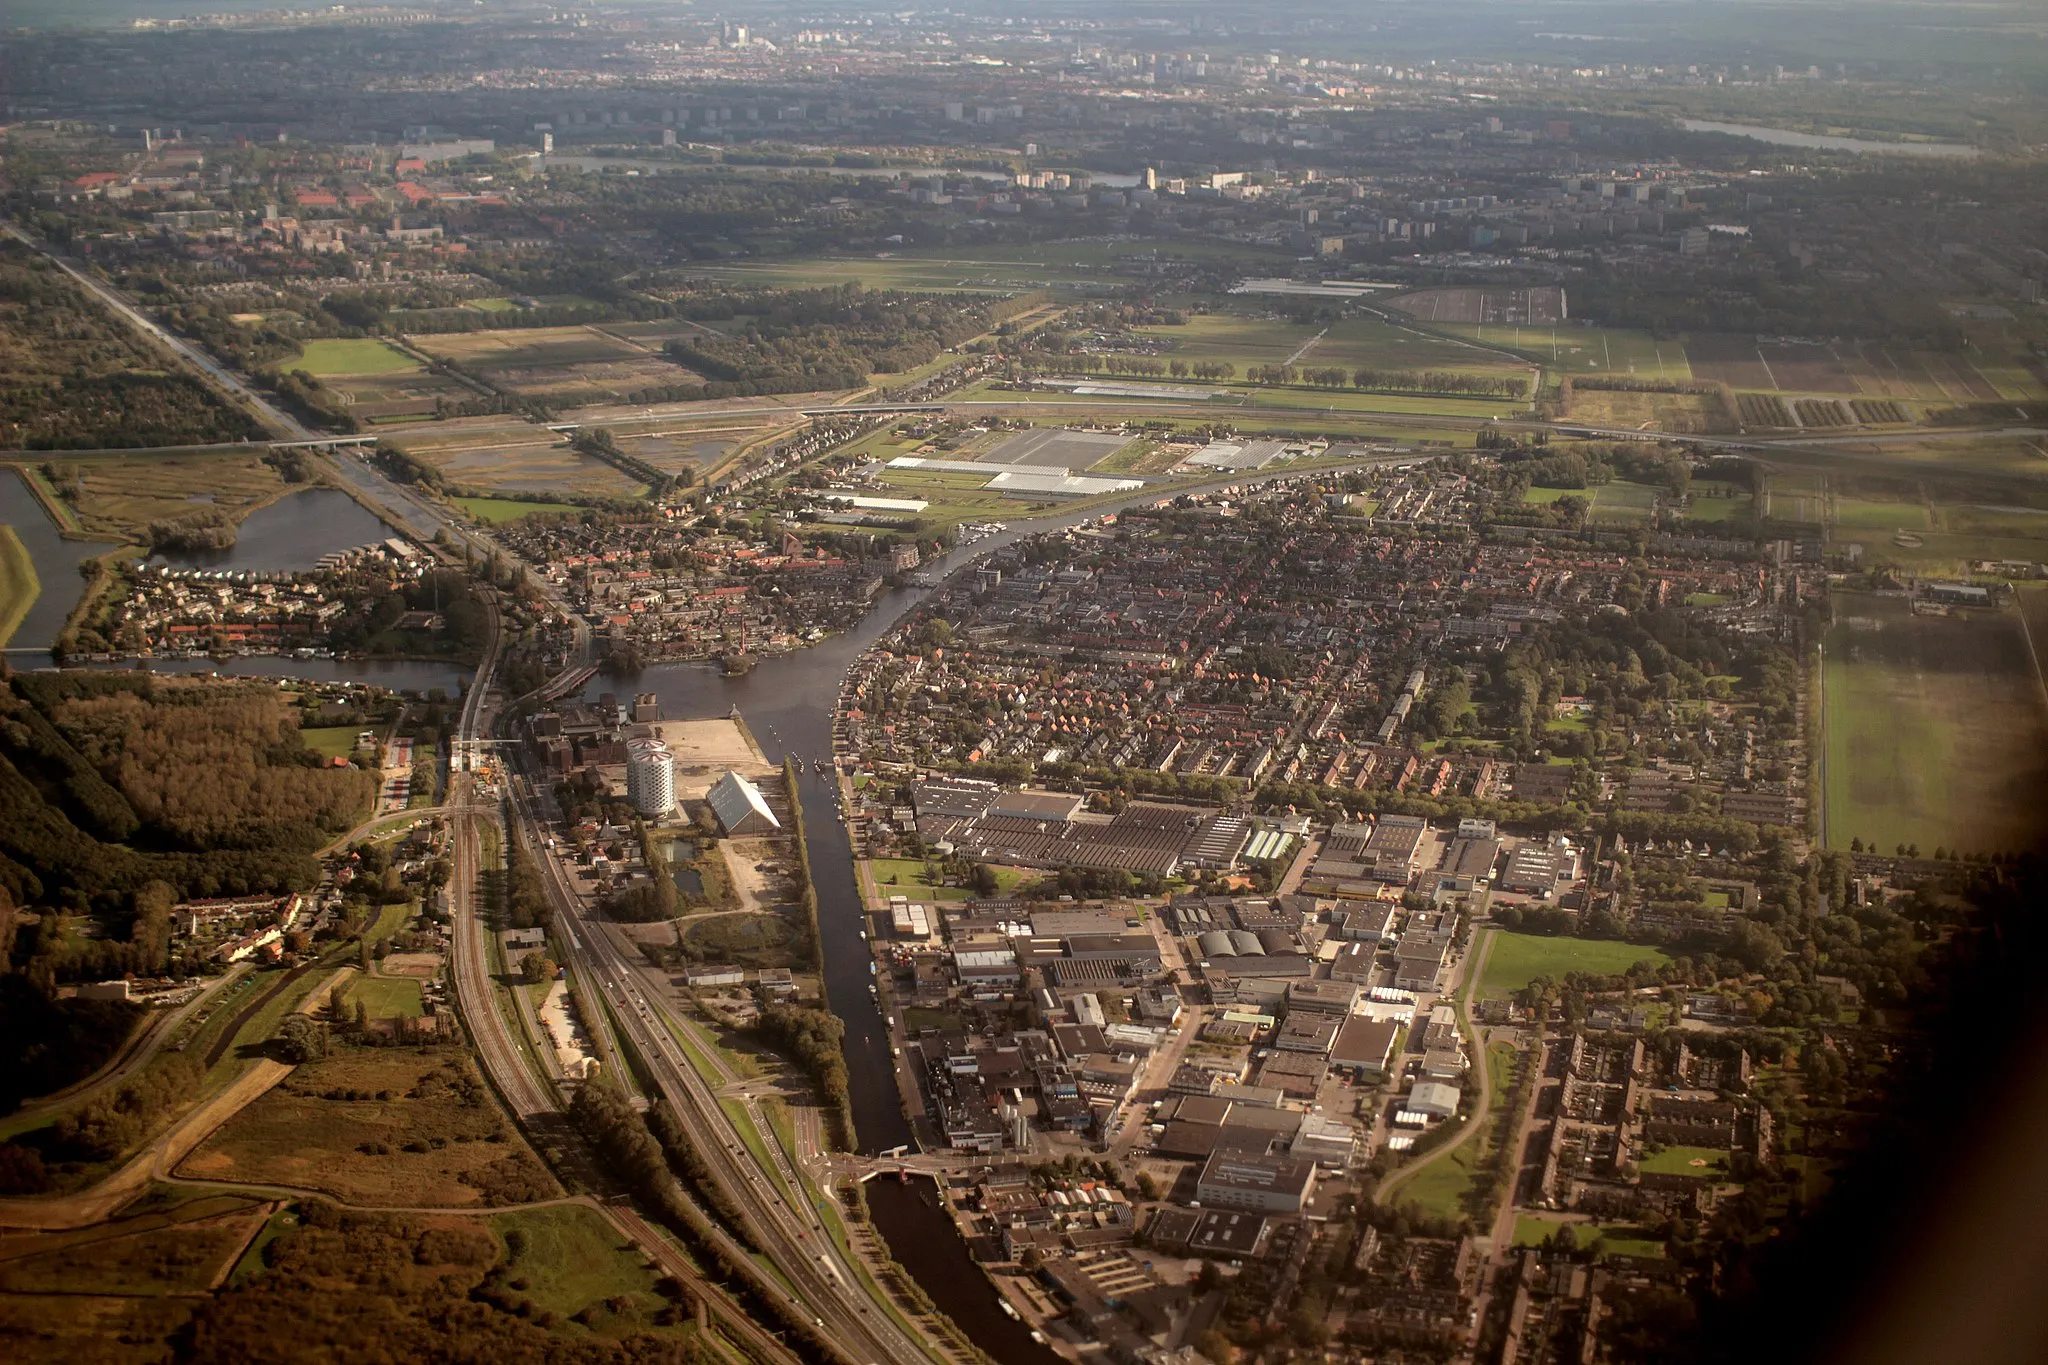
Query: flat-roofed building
x=1365, y=1046
x=1236, y=1179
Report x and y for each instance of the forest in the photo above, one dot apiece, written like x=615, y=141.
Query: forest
x=73, y=378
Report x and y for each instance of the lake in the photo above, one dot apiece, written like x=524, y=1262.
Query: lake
x=1785, y=138
x=293, y=533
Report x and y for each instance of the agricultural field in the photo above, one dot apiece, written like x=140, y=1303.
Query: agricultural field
x=1232, y=338
x=1687, y=413
x=699, y=446
x=125, y=495
x=564, y=366
x=1543, y=306
x=1870, y=514
x=362, y=356
x=1516, y=959
x=1933, y=730
x=496, y=463
x=379, y=1126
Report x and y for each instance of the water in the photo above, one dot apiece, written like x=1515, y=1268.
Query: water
x=395, y=675
x=1785, y=138
x=571, y=161
x=907, y=1214
x=57, y=562
x=293, y=533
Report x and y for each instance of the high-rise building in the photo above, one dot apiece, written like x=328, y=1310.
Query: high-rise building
x=650, y=777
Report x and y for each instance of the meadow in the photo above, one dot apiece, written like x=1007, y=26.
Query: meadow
x=1933, y=731
x=19, y=585
x=1516, y=959
x=364, y=355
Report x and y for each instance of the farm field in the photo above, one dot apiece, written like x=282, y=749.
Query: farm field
x=1877, y=515
x=1687, y=413
x=1368, y=342
x=128, y=493
x=527, y=466
x=19, y=586
x=379, y=1126
x=1933, y=730
x=568, y=366
x=364, y=355
x=677, y=447
x=1795, y=495
x=1543, y=306
x=497, y=511
x=1517, y=959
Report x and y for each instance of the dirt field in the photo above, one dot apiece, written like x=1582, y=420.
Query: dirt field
x=1935, y=730
x=389, y=1126
x=568, y=365
x=1807, y=369
x=719, y=744
x=531, y=466
x=1733, y=360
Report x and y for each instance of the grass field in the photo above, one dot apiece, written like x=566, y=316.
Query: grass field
x=160, y=1250
x=1619, y=1239
x=1685, y=1161
x=497, y=511
x=387, y=997
x=1867, y=514
x=129, y=493
x=334, y=741
x=571, y=1260
x=1688, y=413
x=1515, y=960
x=905, y=877
x=1447, y=1187
x=362, y=356
x=1715, y=501
x=381, y=1126
x=1934, y=730
x=1584, y=350
x=19, y=585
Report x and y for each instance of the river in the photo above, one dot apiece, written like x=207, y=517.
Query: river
x=1816, y=142
x=56, y=560
x=574, y=161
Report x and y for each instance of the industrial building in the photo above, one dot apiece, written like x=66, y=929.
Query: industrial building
x=740, y=807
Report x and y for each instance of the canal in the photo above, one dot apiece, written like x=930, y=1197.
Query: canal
x=290, y=535
x=57, y=562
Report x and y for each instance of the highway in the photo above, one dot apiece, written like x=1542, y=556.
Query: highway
x=793, y=1237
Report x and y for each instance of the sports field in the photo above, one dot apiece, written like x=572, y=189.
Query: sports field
x=1933, y=730
x=1515, y=960
x=364, y=355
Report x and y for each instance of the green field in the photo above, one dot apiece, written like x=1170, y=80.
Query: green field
x=1933, y=730
x=497, y=511
x=1618, y=1239
x=1584, y=350
x=1679, y=1161
x=571, y=1259
x=494, y=305
x=364, y=356
x=1515, y=960
x=1622, y=503
x=387, y=997
x=1715, y=501
x=19, y=586
x=334, y=741
x=1866, y=514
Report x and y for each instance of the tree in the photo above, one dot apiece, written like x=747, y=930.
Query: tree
x=301, y=1039
x=536, y=967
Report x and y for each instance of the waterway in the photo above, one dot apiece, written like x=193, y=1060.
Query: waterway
x=907, y=1214
x=1783, y=137
x=292, y=534
x=397, y=675
x=573, y=161
x=57, y=561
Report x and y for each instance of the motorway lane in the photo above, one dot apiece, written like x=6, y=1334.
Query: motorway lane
x=793, y=1238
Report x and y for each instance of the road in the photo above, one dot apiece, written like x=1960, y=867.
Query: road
x=1474, y=968
x=793, y=1237
x=231, y=385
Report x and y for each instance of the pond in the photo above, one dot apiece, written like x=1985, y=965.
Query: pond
x=293, y=533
